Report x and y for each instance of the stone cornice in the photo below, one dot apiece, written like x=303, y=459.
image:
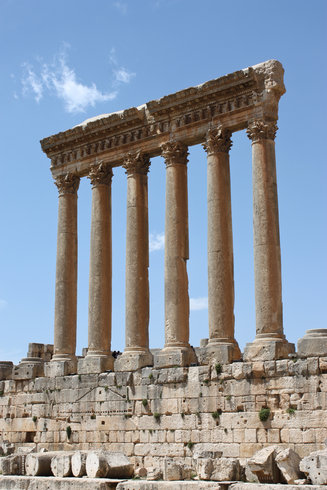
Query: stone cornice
x=232, y=101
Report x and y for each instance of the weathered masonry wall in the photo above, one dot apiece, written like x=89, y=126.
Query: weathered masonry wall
x=173, y=412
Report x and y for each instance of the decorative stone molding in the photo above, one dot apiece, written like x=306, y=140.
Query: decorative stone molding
x=260, y=130
x=218, y=140
x=174, y=153
x=136, y=163
x=231, y=100
x=100, y=174
x=67, y=184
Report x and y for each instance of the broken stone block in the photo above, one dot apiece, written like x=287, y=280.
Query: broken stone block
x=315, y=466
x=6, y=448
x=154, y=474
x=288, y=462
x=225, y=469
x=79, y=464
x=204, y=468
x=13, y=465
x=173, y=471
x=6, y=368
x=263, y=465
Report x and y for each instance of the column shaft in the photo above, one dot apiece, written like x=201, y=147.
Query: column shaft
x=66, y=270
x=267, y=257
x=220, y=248
x=100, y=281
x=177, y=350
x=136, y=354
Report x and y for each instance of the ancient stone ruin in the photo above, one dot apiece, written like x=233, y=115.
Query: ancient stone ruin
x=207, y=413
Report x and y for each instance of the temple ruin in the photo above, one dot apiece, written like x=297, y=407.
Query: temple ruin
x=178, y=401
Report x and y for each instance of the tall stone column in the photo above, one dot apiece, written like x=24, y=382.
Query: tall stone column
x=66, y=270
x=136, y=354
x=99, y=356
x=222, y=346
x=270, y=342
x=177, y=350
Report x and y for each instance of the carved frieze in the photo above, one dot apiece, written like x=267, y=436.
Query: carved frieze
x=174, y=153
x=67, y=184
x=260, y=130
x=218, y=140
x=231, y=100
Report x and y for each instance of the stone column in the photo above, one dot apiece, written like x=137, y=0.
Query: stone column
x=222, y=347
x=99, y=356
x=177, y=350
x=136, y=354
x=66, y=271
x=270, y=342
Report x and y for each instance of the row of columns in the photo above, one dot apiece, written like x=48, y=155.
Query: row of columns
x=222, y=346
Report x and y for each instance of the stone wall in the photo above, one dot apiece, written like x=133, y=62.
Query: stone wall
x=175, y=412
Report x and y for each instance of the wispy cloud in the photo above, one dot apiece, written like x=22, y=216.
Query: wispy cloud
x=59, y=79
x=156, y=241
x=121, y=6
x=121, y=74
x=198, y=304
x=3, y=304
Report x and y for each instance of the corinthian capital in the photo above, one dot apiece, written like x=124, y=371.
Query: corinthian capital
x=174, y=153
x=100, y=174
x=136, y=163
x=260, y=130
x=67, y=184
x=218, y=140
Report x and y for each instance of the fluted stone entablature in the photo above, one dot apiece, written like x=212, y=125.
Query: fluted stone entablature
x=136, y=354
x=206, y=114
x=222, y=345
x=66, y=269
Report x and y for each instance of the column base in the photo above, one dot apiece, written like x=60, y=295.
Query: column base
x=222, y=352
x=268, y=349
x=175, y=356
x=95, y=364
x=133, y=360
x=60, y=367
x=313, y=344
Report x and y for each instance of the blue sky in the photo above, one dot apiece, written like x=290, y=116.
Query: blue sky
x=65, y=61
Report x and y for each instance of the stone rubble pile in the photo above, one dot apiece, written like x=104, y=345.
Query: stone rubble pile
x=270, y=465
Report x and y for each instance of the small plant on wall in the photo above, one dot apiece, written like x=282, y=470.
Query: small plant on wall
x=264, y=414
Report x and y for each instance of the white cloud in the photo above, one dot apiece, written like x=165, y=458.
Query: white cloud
x=124, y=76
x=156, y=241
x=32, y=82
x=3, y=304
x=60, y=80
x=198, y=304
x=121, y=6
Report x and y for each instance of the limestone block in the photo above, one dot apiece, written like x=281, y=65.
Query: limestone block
x=53, y=369
x=173, y=471
x=315, y=467
x=204, y=468
x=6, y=448
x=313, y=344
x=288, y=462
x=154, y=474
x=28, y=370
x=105, y=464
x=6, y=368
x=90, y=364
x=268, y=350
x=225, y=469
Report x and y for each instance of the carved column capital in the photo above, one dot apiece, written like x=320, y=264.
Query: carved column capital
x=174, y=153
x=100, y=174
x=260, y=130
x=218, y=140
x=67, y=184
x=136, y=163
